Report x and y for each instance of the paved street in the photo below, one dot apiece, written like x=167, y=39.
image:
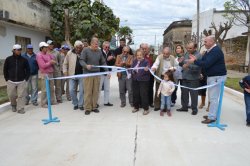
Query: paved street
x=117, y=137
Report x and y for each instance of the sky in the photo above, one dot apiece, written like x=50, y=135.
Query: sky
x=149, y=18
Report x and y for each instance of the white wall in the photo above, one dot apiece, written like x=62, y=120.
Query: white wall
x=7, y=41
x=217, y=17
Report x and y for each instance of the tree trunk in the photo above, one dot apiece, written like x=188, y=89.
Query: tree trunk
x=67, y=30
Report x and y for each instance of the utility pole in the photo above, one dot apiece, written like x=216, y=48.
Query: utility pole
x=198, y=23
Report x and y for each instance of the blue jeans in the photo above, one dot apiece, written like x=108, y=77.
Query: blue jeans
x=214, y=94
x=165, y=101
x=73, y=84
x=247, y=102
x=32, y=89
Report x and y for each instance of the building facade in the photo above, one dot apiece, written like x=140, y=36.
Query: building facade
x=23, y=22
x=178, y=32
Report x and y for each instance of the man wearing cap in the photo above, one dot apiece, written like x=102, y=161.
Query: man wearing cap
x=16, y=73
x=46, y=62
x=32, y=84
x=72, y=66
x=89, y=57
x=57, y=70
x=64, y=50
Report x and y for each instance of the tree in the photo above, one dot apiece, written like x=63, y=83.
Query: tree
x=125, y=32
x=239, y=11
x=220, y=31
x=76, y=19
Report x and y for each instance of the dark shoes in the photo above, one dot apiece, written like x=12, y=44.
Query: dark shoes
x=59, y=101
x=75, y=107
x=151, y=105
x=182, y=110
x=21, y=111
x=87, y=112
x=96, y=110
x=207, y=121
x=35, y=104
x=248, y=124
x=81, y=108
x=156, y=109
x=108, y=104
x=13, y=108
x=135, y=110
x=205, y=117
x=123, y=105
x=194, y=112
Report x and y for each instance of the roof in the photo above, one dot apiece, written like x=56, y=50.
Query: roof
x=177, y=24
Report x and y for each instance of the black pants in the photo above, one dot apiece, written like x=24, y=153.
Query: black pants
x=174, y=94
x=140, y=94
x=151, y=90
x=193, y=94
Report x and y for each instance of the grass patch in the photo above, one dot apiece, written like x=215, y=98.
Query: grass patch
x=3, y=95
x=234, y=84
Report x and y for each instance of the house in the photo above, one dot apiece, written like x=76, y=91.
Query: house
x=23, y=22
x=178, y=32
x=235, y=43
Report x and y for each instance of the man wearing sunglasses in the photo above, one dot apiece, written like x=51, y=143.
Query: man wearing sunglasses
x=16, y=73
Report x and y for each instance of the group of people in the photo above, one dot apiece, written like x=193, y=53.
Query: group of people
x=186, y=68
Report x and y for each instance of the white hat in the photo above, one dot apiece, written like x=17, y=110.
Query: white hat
x=49, y=42
x=43, y=44
x=77, y=43
x=17, y=46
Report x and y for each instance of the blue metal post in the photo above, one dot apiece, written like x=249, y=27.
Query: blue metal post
x=51, y=119
x=217, y=123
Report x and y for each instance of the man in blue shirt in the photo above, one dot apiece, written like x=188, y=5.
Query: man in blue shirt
x=32, y=83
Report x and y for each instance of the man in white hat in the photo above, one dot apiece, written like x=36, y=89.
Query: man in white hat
x=16, y=73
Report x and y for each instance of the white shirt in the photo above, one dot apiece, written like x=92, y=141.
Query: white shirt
x=166, y=64
x=166, y=88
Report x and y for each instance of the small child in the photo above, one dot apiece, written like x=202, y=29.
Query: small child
x=166, y=88
x=245, y=84
x=140, y=82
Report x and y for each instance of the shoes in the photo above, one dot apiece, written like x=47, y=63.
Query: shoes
x=123, y=105
x=81, y=108
x=97, y=105
x=182, y=110
x=248, y=124
x=59, y=101
x=156, y=109
x=161, y=113
x=27, y=102
x=194, y=112
x=169, y=113
x=207, y=121
x=145, y=112
x=45, y=106
x=35, y=104
x=13, y=108
x=108, y=104
x=96, y=110
x=205, y=117
x=69, y=99
x=87, y=112
x=135, y=110
x=151, y=105
x=75, y=107
x=21, y=111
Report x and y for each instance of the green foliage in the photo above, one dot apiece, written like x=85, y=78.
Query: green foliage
x=85, y=20
x=125, y=32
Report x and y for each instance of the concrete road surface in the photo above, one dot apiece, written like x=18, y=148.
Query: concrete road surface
x=117, y=137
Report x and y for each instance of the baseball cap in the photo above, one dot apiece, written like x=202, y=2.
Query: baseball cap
x=17, y=46
x=43, y=44
x=65, y=47
x=29, y=46
x=49, y=42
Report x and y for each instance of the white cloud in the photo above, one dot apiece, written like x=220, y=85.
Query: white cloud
x=148, y=18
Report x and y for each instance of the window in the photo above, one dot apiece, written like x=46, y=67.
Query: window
x=23, y=41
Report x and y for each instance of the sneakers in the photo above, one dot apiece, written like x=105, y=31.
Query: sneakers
x=13, y=108
x=21, y=111
x=145, y=112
